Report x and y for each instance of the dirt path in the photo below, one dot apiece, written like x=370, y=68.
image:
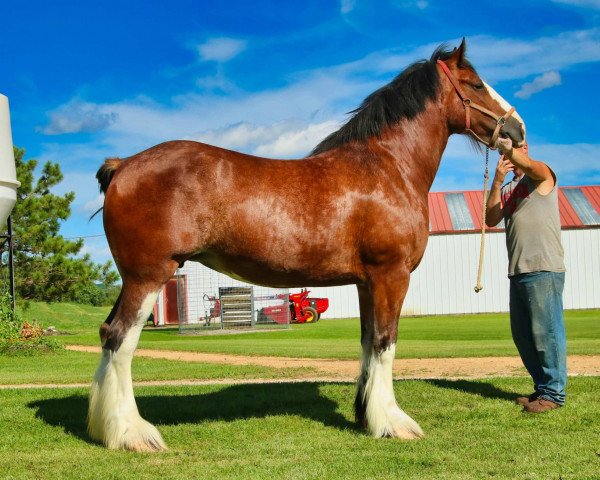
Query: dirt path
x=348, y=369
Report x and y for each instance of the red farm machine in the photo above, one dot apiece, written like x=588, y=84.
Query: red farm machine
x=305, y=309
x=302, y=309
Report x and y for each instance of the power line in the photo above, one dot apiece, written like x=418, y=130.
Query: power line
x=86, y=236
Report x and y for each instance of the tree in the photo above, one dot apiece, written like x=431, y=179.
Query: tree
x=48, y=266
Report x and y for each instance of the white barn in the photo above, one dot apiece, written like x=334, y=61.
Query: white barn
x=444, y=281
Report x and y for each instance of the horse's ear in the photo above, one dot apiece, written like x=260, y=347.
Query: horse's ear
x=458, y=54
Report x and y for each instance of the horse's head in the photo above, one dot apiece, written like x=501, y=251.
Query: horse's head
x=473, y=106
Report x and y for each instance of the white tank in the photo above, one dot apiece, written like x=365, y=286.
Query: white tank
x=8, y=172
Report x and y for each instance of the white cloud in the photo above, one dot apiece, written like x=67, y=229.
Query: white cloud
x=221, y=49
x=286, y=139
x=314, y=98
x=329, y=92
x=91, y=206
x=347, y=6
x=297, y=142
x=216, y=83
x=78, y=116
x=523, y=58
x=409, y=4
x=547, y=80
x=570, y=160
x=290, y=120
x=240, y=136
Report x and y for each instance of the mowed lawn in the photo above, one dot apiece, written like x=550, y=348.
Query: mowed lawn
x=418, y=337
x=474, y=430
x=78, y=367
x=305, y=431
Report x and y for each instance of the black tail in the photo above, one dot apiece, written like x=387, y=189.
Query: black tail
x=106, y=172
x=104, y=176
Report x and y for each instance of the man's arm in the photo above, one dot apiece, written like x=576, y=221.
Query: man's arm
x=493, y=210
x=538, y=171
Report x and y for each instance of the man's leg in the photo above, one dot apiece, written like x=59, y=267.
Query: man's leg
x=545, y=291
x=520, y=326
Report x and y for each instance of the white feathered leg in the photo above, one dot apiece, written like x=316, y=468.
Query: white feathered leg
x=113, y=417
x=382, y=416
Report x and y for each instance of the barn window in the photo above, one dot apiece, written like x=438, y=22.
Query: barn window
x=459, y=212
x=582, y=206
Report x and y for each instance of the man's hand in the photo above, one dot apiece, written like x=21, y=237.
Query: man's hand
x=504, y=166
x=504, y=145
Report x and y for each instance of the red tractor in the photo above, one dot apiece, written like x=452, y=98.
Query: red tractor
x=302, y=309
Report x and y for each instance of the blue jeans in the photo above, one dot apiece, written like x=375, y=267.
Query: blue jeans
x=538, y=330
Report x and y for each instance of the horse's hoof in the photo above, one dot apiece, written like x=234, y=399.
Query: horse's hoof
x=146, y=446
x=142, y=436
x=137, y=435
x=408, y=433
x=396, y=424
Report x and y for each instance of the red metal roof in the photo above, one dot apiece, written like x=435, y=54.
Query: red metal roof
x=440, y=220
x=593, y=195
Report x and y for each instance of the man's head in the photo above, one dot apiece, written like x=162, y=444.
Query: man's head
x=525, y=149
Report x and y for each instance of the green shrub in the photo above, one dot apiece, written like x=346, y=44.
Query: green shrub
x=18, y=337
x=97, y=295
x=10, y=325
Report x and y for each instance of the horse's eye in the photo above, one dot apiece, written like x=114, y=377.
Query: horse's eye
x=478, y=86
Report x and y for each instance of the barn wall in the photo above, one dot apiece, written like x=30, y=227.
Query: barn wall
x=582, y=259
x=444, y=281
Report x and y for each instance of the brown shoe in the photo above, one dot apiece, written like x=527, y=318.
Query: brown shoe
x=525, y=400
x=540, y=405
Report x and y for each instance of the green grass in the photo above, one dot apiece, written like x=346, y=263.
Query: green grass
x=305, y=431
x=77, y=367
x=299, y=431
x=418, y=337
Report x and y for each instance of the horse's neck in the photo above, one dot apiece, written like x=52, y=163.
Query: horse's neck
x=415, y=147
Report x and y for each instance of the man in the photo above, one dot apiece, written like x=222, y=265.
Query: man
x=529, y=206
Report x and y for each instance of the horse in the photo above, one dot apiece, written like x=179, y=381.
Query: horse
x=236, y=213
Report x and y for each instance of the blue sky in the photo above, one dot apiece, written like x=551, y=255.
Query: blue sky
x=88, y=80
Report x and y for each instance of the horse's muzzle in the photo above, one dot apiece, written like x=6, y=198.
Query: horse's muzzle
x=515, y=130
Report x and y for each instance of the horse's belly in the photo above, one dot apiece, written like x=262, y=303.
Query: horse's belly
x=276, y=273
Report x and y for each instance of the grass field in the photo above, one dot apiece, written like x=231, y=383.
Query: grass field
x=299, y=430
x=76, y=367
x=418, y=337
x=305, y=431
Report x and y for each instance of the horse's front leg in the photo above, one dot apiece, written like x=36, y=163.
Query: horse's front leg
x=113, y=417
x=375, y=405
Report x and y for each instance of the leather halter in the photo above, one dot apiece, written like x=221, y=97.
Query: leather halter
x=468, y=104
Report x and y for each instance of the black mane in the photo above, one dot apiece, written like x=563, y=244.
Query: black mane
x=403, y=97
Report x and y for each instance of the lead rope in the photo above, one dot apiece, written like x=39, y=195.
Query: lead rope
x=479, y=286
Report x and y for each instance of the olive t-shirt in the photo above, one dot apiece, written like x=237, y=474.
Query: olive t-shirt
x=532, y=224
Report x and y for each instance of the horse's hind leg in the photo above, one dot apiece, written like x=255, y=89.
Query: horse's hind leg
x=113, y=417
x=375, y=405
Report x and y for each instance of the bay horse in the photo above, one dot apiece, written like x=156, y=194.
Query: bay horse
x=237, y=214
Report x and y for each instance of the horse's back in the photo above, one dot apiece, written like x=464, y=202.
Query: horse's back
x=187, y=200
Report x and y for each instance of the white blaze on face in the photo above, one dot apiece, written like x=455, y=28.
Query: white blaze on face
x=504, y=104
